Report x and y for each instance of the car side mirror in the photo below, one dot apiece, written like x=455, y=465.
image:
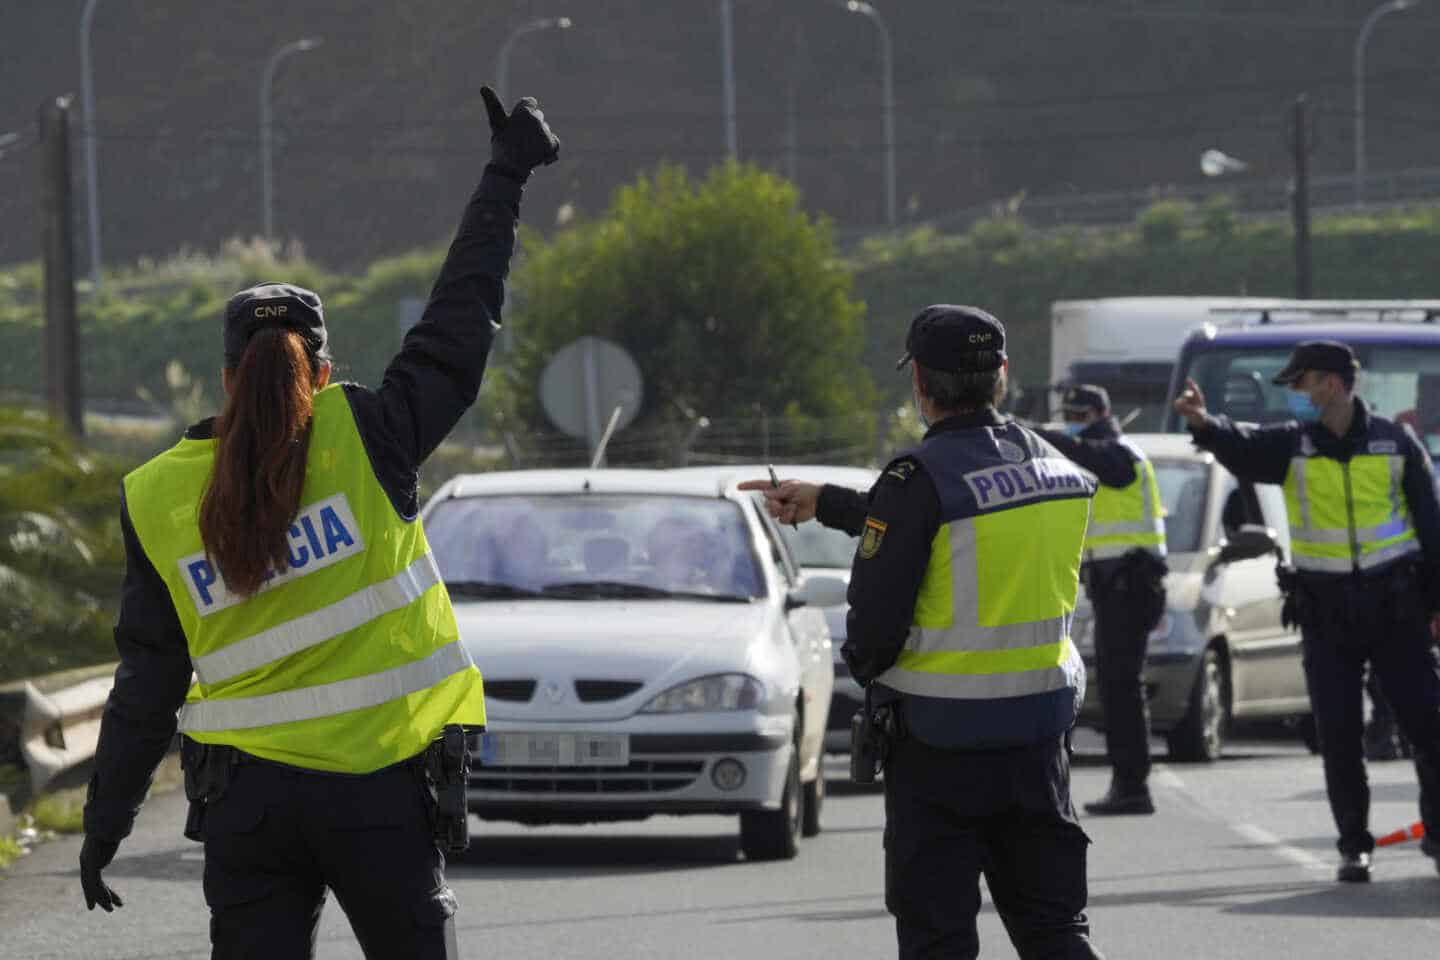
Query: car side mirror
x=821, y=590
x=1251, y=540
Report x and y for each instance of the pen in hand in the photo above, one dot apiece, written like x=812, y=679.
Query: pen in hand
x=775, y=482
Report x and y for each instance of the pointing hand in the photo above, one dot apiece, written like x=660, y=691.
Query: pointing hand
x=520, y=140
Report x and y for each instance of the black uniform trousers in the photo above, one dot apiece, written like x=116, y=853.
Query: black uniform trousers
x=1383, y=620
x=951, y=816
x=1122, y=634
x=280, y=836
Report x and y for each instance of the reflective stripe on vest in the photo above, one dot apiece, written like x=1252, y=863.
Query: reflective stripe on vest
x=348, y=659
x=1348, y=516
x=992, y=619
x=327, y=699
x=1126, y=518
x=358, y=609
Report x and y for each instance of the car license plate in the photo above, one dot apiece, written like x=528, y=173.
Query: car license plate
x=555, y=749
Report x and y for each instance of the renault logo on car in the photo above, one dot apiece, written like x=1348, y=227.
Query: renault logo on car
x=553, y=691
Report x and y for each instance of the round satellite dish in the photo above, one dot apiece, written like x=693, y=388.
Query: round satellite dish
x=583, y=384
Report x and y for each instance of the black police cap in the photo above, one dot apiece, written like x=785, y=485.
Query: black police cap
x=1330, y=356
x=955, y=339
x=273, y=305
x=1080, y=397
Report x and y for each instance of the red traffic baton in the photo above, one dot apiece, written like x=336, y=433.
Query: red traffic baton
x=1415, y=831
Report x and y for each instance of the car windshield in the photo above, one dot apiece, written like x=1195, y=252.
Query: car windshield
x=815, y=546
x=1183, y=484
x=594, y=546
x=1397, y=381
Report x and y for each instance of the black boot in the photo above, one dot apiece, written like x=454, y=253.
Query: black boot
x=1120, y=800
x=1354, y=868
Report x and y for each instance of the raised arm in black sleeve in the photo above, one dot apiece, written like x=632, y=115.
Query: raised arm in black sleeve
x=1112, y=464
x=150, y=685
x=436, y=375
x=889, y=566
x=1418, y=482
x=1257, y=454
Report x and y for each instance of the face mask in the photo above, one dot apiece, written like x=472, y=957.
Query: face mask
x=919, y=411
x=1073, y=429
x=1302, y=407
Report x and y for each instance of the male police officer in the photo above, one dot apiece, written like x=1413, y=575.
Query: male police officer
x=1124, y=571
x=1365, y=539
x=959, y=626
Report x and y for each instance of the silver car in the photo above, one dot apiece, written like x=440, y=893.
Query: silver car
x=825, y=556
x=644, y=650
x=1219, y=654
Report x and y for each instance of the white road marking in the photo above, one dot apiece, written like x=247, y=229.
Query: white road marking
x=1264, y=838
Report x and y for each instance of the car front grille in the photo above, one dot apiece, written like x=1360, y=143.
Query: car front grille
x=641, y=776
x=600, y=691
x=517, y=691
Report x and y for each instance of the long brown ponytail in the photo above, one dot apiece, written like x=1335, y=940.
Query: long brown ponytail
x=262, y=438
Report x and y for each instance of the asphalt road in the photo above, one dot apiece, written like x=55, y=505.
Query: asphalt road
x=1238, y=863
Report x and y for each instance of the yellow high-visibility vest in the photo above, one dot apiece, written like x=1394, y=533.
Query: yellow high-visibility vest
x=1349, y=516
x=1126, y=518
x=349, y=659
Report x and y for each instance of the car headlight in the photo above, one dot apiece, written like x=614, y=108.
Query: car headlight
x=725, y=691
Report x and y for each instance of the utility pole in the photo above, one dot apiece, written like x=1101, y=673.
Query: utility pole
x=727, y=77
x=1300, y=194
x=57, y=240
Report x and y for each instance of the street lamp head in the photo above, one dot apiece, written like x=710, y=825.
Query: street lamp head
x=1214, y=162
x=564, y=23
x=1406, y=4
x=308, y=43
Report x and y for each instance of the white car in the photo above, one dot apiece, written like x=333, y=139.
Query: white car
x=644, y=651
x=825, y=556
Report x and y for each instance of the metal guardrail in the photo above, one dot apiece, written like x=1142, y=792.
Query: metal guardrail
x=52, y=731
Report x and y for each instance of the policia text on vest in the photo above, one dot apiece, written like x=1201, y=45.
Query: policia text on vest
x=333, y=693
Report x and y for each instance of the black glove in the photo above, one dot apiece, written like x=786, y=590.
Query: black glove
x=95, y=855
x=520, y=141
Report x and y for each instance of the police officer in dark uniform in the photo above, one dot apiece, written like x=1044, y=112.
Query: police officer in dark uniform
x=1365, y=544
x=275, y=553
x=1124, y=579
x=960, y=608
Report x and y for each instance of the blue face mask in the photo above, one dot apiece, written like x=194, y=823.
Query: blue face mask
x=1073, y=429
x=1302, y=407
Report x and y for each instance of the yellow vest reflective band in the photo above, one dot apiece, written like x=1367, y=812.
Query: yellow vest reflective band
x=1348, y=516
x=1124, y=518
x=992, y=619
x=348, y=660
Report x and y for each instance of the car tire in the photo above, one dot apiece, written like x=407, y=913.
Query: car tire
x=813, y=803
x=775, y=834
x=1200, y=735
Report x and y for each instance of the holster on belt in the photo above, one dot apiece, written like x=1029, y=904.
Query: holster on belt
x=208, y=769
x=874, y=730
x=447, y=775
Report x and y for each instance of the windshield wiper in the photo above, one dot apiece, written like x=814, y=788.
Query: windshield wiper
x=487, y=590
x=622, y=589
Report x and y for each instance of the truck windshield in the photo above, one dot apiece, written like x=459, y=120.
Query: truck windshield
x=1400, y=381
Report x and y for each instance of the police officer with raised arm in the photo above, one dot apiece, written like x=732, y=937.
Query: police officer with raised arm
x=275, y=554
x=1124, y=577
x=961, y=597
x=1365, y=544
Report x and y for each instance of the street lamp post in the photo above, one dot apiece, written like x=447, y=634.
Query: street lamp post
x=887, y=95
x=727, y=77
x=1392, y=6
x=92, y=177
x=502, y=59
x=267, y=79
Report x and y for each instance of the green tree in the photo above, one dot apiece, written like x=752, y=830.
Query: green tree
x=731, y=299
x=61, y=555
